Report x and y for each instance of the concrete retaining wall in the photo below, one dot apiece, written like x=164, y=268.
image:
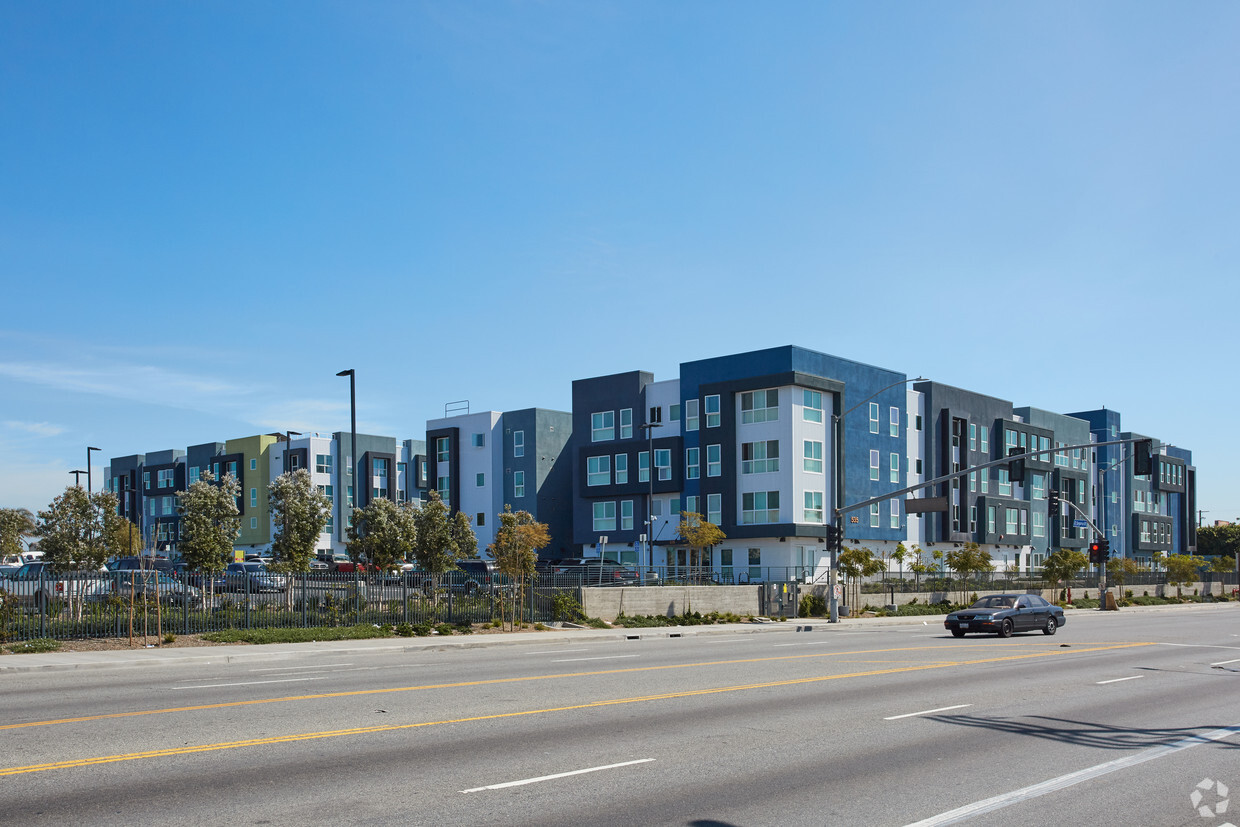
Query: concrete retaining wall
x=610, y=602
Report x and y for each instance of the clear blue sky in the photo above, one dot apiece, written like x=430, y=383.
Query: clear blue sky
x=207, y=209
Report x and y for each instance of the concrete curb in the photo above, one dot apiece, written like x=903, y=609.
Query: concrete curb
x=242, y=653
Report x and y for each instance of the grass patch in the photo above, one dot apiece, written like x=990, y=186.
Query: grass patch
x=34, y=646
x=360, y=632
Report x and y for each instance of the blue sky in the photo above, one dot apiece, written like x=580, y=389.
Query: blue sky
x=208, y=209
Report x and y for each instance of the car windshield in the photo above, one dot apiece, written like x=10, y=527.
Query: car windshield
x=994, y=602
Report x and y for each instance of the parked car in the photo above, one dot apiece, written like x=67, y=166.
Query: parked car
x=249, y=577
x=147, y=583
x=1005, y=614
x=142, y=564
x=591, y=571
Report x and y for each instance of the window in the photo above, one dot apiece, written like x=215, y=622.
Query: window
x=442, y=448
x=714, y=508
x=725, y=564
x=874, y=465
x=673, y=412
x=518, y=484
x=478, y=440
x=626, y=515
x=663, y=463
x=326, y=491
x=444, y=486
x=598, y=471
x=480, y=480
x=972, y=481
x=811, y=405
x=146, y=479
x=1039, y=524
x=895, y=513
x=760, y=457
x=518, y=443
x=1037, y=486
x=253, y=522
x=812, y=461
x=480, y=519
x=349, y=493
x=602, y=426
x=755, y=564
x=760, y=507
x=985, y=439
x=643, y=466
x=194, y=473
x=984, y=481
x=622, y=469
x=760, y=406
x=873, y=417
x=972, y=436
x=253, y=464
x=656, y=508
x=693, y=465
x=1012, y=520
x=691, y=414
x=626, y=423
x=165, y=478
x=714, y=460
x=168, y=501
x=990, y=519
x=919, y=422
x=253, y=498
x=322, y=463
x=895, y=422
x=813, y=507
x=918, y=467
x=330, y=525
x=693, y=504
x=895, y=467
x=712, y=411
x=874, y=515
x=1005, y=483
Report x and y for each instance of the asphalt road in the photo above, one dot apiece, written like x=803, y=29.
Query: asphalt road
x=1116, y=719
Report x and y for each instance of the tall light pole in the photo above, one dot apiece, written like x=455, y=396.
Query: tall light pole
x=352, y=432
x=649, y=427
x=288, y=447
x=88, y=450
x=837, y=467
x=77, y=477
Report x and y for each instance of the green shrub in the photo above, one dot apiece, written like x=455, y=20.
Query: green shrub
x=422, y=629
x=34, y=646
x=812, y=605
x=566, y=607
x=169, y=637
x=445, y=628
x=404, y=630
x=362, y=631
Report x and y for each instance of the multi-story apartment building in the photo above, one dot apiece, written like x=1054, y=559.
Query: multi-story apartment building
x=480, y=462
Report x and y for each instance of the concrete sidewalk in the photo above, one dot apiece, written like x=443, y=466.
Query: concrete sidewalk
x=245, y=653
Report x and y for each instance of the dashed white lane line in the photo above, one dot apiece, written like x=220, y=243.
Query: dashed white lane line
x=1117, y=680
x=926, y=712
x=557, y=775
x=245, y=683
x=604, y=657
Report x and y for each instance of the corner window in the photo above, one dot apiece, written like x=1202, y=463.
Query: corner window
x=760, y=406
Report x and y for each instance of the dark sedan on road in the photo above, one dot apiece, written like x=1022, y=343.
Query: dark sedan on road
x=1005, y=614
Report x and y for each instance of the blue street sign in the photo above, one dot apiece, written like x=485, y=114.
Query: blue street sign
x=1080, y=524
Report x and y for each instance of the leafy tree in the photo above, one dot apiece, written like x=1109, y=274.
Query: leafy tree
x=515, y=550
x=210, y=522
x=73, y=529
x=966, y=560
x=122, y=537
x=1120, y=569
x=1221, y=565
x=856, y=563
x=381, y=534
x=1062, y=565
x=700, y=535
x=1182, y=569
x=440, y=538
x=299, y=510
x=1157, y=558
x=900, y=555
x=15, y=524
x=1218, y=540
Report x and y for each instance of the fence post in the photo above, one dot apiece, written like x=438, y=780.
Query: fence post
x=43, y=607
x=304, y=611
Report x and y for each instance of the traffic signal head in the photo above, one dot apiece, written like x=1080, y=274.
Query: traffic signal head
x=1016, y=468
x=1095, y=552
x=1142, y=463
x=1104, y=550
x=1052, y=502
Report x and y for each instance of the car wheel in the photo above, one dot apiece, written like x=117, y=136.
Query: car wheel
x=1005, y=629
x=1051, y=626
x=957, y=633
x=471, y=587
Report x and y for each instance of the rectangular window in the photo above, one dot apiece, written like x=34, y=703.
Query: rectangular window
x=874, y=515
x=622, y=469
x=253, y=464
x=194, y=473
x=322, y=463
x=478, y=440
x=693, y=504
x=626, y=515
x=1005, y=483
x=349, y=493
x=811, y=405
x=813, y=507
x=984, y=481
x=812, y=461
x=1037, y=485
x=330, y=525
x=673, y=412
x=693, y=466
x=755, y=564
x=598, y=470
x=253, y=522
x=918, y=466
x=985, y=439
x=972, y=436
x=146, y=479
x=972, y=481
x=294, y=462
x=759, y=406
x=656, y=508
x=1039, y=524
x=675, y=511
x=602, y=426
x=895, y=467
x=760, y=457
x=480, y=519
x=873, y=417
x=895, y=422
x=326, y=491
x=714, y=460
x=1013, y=518
x=714, y=508
x=253, y=498
x=444, y=486
x=874, y=465
x=663, y=463
x=168, y=501
x=972, y=519
x=480, y=480
x=990, y=519
x=760, y=507
x=691, y=414
x=443, y=447
x=605, y=516
x=518, y=443
x=518, y=484
x=626, y=423
x=712, y=411
x=643, y=466
x=894, y=505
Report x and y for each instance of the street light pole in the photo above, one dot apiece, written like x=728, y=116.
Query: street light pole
x=649, y=427
x=352, y=430
x=88, y=450
x=77, y=477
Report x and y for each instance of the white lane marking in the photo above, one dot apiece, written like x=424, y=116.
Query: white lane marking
x=926, y=712
x=555, y=652
x=607, y=657
x=291, y=668
x=998, y=802
x=1225, y=662
x=1199, y=646
x=806, y=643
x=1117, y=680
x=245, y=683
x=557, y=775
